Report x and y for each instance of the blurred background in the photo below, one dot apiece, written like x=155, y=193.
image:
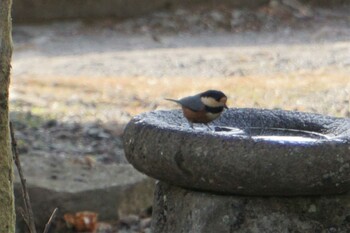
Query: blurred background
x=83, y=69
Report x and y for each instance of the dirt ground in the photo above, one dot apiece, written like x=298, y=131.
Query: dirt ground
x=76, y=84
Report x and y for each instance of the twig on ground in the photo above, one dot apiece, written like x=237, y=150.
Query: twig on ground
x=28, y=211
x=48, y=224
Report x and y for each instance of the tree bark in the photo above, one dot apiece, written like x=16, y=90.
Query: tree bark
x=7, y=213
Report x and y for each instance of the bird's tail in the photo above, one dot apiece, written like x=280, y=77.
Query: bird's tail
x=172, y=100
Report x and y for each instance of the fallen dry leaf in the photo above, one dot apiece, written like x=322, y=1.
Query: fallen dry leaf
x=84, y=221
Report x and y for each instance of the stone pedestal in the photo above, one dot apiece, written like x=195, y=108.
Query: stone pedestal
x=258, y=171
x=178, y=210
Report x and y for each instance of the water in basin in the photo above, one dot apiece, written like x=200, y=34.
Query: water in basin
x=273, y=134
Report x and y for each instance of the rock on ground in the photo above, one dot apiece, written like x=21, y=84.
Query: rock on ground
x=71, y=186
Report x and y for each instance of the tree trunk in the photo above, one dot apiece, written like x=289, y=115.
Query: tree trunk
x=7, y=213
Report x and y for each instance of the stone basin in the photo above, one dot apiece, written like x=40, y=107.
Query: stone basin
x=255, y=152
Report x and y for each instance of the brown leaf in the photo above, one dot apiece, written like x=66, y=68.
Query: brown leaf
x=84, y=221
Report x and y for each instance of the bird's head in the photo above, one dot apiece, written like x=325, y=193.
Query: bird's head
x=214, y=99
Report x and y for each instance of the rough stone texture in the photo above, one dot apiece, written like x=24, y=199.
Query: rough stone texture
x=109, y=190
x=178, y=210
x=162, y=145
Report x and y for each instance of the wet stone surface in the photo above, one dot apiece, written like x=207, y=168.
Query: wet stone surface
x=248, y=151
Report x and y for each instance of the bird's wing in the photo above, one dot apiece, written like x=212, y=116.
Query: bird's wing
x=192, y=102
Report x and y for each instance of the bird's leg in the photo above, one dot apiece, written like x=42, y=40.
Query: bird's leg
x=207, y=125
x=191, y=125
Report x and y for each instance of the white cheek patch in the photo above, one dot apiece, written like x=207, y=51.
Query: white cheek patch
x=211, y=102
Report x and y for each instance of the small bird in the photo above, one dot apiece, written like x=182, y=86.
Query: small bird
x=203, y=107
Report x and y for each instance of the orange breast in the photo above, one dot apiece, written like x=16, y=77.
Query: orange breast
x=197, y=117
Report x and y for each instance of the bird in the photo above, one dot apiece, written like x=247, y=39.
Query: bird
x=203, y=107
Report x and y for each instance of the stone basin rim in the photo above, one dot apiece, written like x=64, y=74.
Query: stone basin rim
x=206, y=161
x=149, y=119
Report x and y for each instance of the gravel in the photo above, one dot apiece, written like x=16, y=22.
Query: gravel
x=188, y=43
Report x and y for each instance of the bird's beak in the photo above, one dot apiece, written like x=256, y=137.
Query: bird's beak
x=225, y=106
